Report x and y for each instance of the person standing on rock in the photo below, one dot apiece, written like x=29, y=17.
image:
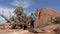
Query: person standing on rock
x=33, y=17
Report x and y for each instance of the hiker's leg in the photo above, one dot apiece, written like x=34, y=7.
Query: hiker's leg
x=32, y=24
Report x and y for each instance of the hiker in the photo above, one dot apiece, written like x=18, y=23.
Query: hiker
x=33, y=17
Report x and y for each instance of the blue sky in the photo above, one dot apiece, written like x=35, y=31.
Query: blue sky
x=28, y=5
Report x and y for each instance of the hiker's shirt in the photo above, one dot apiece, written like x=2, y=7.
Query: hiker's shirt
x=33, y=18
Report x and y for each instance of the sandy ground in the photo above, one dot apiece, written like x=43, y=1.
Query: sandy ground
x=18, y=31
x=13, y=31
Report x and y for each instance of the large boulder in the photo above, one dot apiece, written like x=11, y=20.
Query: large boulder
x=45, y=17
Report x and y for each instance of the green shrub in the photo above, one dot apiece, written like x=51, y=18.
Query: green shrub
x=57, y=20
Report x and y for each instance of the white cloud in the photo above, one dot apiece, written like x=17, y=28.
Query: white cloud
x=22, y=3
x=5, y=11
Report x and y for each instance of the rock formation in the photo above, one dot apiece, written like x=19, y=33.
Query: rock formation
x=45, y=17
x=44, y=23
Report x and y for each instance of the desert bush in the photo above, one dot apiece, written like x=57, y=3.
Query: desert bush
x=57, y=20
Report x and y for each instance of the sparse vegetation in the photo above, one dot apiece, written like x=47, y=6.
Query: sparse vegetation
x=21, y=18
x=57, y=20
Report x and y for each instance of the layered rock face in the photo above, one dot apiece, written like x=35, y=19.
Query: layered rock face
x=45, y=17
